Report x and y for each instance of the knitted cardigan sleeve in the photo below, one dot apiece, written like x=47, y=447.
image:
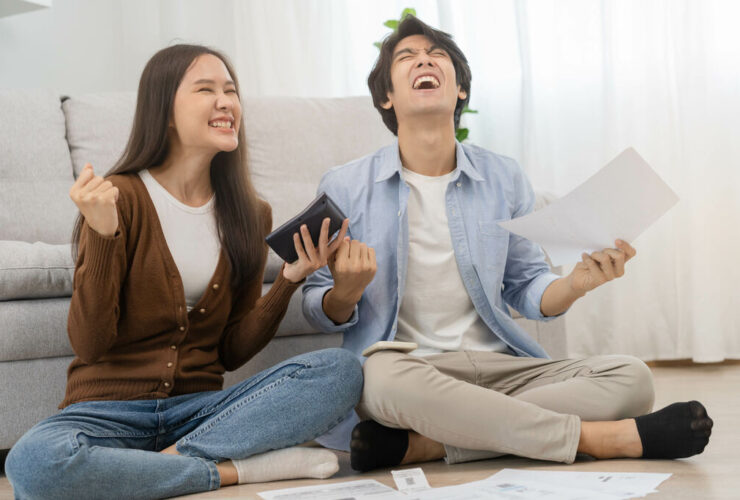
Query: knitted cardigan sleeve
x=94, y=309
x=254, y=318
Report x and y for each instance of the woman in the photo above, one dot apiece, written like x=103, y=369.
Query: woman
x=166, y=298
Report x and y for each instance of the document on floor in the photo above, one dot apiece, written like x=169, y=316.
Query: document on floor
x=507, y=484
x=410, y=481
x=494, y=489
x=367, y=489
x=620, y=201
x=615, y=484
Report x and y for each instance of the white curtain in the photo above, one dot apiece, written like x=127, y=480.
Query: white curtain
x=591, y=78
x=562, y=86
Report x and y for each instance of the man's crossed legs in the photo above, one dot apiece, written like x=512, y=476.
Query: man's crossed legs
x=473, y=405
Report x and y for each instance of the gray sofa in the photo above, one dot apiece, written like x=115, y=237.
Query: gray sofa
x=45, y=141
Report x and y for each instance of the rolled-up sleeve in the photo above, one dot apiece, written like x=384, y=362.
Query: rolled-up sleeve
x=321, y=281
x=527, y=273
x=313, y=309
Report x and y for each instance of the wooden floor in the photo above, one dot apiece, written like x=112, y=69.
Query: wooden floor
x=715, y=474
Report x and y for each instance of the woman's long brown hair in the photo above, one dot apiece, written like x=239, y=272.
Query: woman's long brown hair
x=237, y=206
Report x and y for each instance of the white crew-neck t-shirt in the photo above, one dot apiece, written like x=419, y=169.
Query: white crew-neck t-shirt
x=192, y=237
x=436, y=310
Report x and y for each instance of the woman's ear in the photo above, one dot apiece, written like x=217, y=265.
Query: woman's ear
x=387, y=104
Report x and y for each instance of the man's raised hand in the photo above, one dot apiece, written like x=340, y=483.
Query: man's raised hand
x=596, y=269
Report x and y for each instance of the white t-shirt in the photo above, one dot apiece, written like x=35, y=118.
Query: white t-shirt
x=192, y=237
x=436, y=311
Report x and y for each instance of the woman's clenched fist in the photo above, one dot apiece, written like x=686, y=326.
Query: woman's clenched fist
x=96, y=198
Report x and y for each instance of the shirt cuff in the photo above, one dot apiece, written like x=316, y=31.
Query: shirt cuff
x=533, y=300
x=314, y=307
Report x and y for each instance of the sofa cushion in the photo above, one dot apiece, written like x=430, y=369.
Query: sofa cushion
x=294, y=323
x=36, y=328
x=273, y=266
x=98, y=127
x=35, y=168
x=31, y=329
x=293, y=141
x=35, y=270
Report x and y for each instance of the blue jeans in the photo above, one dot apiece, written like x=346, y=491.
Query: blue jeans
x=108, y=449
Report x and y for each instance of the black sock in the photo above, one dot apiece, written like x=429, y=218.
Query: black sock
x=677, y=431
x=374, y=446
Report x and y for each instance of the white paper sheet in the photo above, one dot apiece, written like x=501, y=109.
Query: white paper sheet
x=367, y=489
x=618, y=484
x=410, y=480
x=620, y=201
x=507, y=484
x=510, y=484
x=495, y=489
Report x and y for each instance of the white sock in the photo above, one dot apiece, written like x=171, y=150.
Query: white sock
x=288, y=463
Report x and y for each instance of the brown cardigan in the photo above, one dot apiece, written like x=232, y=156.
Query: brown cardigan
x=128, y=323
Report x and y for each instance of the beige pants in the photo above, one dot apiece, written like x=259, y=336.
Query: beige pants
x=485, y=404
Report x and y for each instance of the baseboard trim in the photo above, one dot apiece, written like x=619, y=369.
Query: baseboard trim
x=689, y=362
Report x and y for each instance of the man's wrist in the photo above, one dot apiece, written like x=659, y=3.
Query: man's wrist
x=574, y=293
x=343, y=297
x=338, y=307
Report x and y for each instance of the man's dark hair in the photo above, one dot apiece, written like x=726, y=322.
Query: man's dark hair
x=379, y=80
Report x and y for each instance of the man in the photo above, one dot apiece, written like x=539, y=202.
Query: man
x=423, y=214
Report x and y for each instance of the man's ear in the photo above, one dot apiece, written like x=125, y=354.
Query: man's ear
x=461, y=93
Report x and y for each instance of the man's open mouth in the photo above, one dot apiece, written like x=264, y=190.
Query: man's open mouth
x=426, y=82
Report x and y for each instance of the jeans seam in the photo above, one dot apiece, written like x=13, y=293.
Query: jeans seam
x=214, y=477
x=117, y=434
x=236, y=394
x=228, y=412
x=74, y=443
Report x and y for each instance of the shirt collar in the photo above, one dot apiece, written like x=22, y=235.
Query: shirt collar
x=391, y=163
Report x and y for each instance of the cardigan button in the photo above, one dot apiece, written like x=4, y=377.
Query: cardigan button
x=173, y=347
x=166, y=384
x=215, y=286
x=169, y=365
x=182, y=328
x=202, y=311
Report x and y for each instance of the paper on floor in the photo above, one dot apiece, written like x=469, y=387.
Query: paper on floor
x=521, y=489
x=410, y=480
x=367, y=489
x=620, y=201
x=507, y=484
x=616, y=484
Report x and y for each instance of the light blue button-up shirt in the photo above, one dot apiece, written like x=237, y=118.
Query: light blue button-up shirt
x=496, y=267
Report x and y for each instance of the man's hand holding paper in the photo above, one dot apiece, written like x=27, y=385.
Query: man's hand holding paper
x=619, y=202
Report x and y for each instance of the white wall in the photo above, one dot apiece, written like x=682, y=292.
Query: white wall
x=88, y=45
x=279, y=47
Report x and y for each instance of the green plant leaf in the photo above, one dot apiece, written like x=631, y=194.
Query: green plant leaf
x=408, y=11
x=461, y=134
x=468, y=110
x=378, y=45
x=392, y=24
